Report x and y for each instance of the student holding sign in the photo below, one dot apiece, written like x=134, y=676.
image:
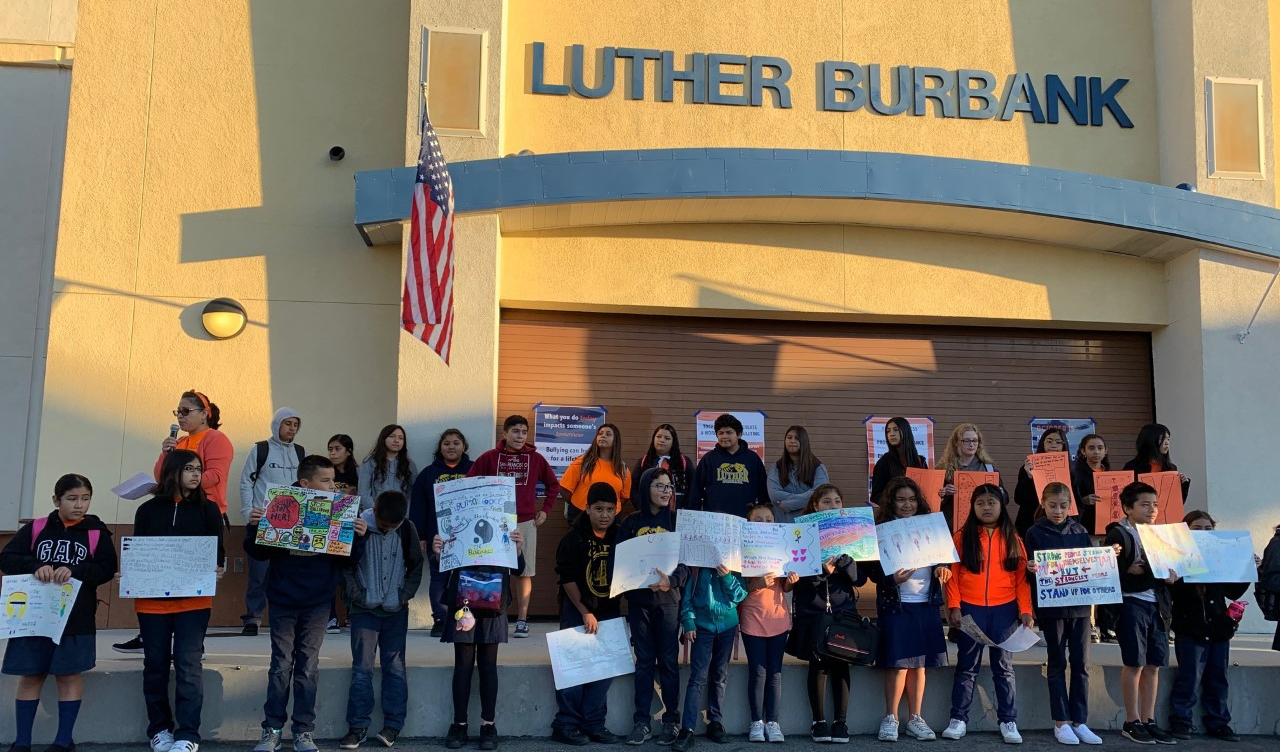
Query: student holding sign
x=765, y=620
x=1066, y=628
x=68, y=544
x=709, y=625
x=965, y=453
x=1091, y=457
x=1028, y=500
x=1153, y=455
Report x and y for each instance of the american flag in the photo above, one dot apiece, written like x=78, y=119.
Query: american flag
x=427, y=309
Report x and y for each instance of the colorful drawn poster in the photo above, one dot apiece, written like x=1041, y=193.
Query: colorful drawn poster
x=1076, y=429
x=914, y=542
x=36, y=609
x=1108, y=484
x=636, y=559
x=752, y=429
x=921, y=429
x=168, y=566
x=846, y=531
x=965, y=482
x=931, y=483
x=1168, y=486
x=780, y=548
x=1170, y=548
x=1077, y=577
x=477, y=517
x=308, y=519
x=710, y=539
x=1228, y=555
x=579, y=658
x=562, y=434
x=1052, y=467
x=1020, y=638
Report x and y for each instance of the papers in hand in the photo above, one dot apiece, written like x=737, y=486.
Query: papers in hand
x=136, y=487
x=636, y=559
x=579, y=658
x=1023, y=638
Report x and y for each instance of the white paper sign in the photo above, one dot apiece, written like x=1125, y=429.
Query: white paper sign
x=709, y=539
x=1021, y=639
x=1170, y=548
x=634, y=561
x=168, y=566
x=36, y=609
x=136, y=487
x=780, y=548
x=579, y=658
x=477, y=517
x=1228, y=555
x=914, y=542
x=1077, y=577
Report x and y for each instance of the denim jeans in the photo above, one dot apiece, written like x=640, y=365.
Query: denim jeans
x=709, y=673
x=764, y=675
x=296, y=635
x=997, y=623
x=384, y=635
x=435, y=591
x=655, y=635
x=1065, y=636
x=255, y=592
x=1201, y=665
x=177, y=640
x=584, y=707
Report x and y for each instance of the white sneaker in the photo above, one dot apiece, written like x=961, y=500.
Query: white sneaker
x=1083, y=733
x=774, y=732
x=955, y=730
x=1065, y=735
x=162, y=741
x=756, y=734
x=269, y=741
x=919, y=729
x=1009, y=732
x=184, y=746
x=888, y=729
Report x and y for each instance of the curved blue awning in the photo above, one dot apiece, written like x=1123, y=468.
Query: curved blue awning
x=853, y=187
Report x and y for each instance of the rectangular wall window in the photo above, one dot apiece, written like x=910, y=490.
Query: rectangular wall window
x=453, y=69
x=1234, y=127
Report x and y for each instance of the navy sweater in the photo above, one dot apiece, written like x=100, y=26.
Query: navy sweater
x=645, y=522
x=729, y=483
x=1045, y=536
x=422, y=499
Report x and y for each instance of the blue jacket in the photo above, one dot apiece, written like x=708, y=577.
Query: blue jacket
x=1045, y=536
x=710, y=602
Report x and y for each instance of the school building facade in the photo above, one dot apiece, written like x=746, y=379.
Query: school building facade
x=823, y=210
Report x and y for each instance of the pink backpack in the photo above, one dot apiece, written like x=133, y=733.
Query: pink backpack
x=38, y=525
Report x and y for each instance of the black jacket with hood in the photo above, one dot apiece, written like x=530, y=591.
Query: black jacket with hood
x=60, y=546
x=1200, y=610
x=1136, y=583
x=644, y=522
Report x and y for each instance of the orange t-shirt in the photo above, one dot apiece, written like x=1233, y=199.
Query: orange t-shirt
x=577, y=486
x=215, y=452
x=172, y=605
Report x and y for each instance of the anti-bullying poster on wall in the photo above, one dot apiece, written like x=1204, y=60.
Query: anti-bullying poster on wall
x=921, y=429
x=1076, y=428
x=752, y=429
x=562, y=434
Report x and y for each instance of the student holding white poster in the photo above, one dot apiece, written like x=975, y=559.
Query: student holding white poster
x=68, y=544
x=765, y=620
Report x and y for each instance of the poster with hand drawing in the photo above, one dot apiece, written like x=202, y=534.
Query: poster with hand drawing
x=1228, y=556
x=709, y=539
x=780, y=548
x=36, y=609
x=634, y=561
x=579, y=658
x=914, y=542
x=477, y=517
x=1170, y=548
x=1076, y=577
x=308, y=519
x=850, y=532
x=168, y=566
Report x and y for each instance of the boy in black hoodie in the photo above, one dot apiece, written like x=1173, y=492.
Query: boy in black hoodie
x=69, y=543
x=654, y=612
x=300, y=588
x=731, y=477
x=582, y=562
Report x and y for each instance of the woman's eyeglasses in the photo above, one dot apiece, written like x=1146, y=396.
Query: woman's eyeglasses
x=183, y=412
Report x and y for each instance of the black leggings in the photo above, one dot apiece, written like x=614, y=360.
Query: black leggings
x=485, y=655
x=818, y=673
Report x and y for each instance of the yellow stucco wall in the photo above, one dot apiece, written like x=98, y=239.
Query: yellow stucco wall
x=1091, y=38
x=856, y=273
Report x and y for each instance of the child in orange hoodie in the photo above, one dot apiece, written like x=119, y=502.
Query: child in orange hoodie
x=988, y=584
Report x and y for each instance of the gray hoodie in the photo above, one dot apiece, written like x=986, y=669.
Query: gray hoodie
x=281, y=468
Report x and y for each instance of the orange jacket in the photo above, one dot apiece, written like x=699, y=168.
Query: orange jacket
x=994, y=585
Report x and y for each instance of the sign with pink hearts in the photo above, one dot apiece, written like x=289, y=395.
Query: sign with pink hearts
x=780, y=548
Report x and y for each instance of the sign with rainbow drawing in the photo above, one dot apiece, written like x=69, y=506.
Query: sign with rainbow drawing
x=36, y=609
x=308, y=519
x=846, y=531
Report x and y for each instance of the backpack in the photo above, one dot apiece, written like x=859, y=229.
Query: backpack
x=38, y=525
x=263, y=447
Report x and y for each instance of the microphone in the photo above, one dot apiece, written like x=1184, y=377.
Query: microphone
x=173, y=433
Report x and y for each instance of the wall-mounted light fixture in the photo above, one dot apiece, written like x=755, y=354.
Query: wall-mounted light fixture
x=223, y=318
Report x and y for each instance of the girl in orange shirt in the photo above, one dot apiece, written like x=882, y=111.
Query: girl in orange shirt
x=602, y=463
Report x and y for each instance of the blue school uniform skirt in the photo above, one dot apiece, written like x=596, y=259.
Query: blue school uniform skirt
x=911, y=637
x=36, y=656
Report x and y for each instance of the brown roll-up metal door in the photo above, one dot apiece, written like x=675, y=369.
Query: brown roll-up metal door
x=827, y=377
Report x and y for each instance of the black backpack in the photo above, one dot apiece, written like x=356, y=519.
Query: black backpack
x=263, y=448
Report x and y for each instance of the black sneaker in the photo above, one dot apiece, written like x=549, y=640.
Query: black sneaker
x=840, y=732
x=19, y=748
x=55, y=747
x=1181, y=729
x=603, y=736
x=669, y=733
x=129, y=646
x=820, y=732
x=1136, y=732
x=250, y=630
x=388, y=736
x=684, y=740
x=1158, y=735
x=572, y=737
x=488, y=736
x=353, y=739
x=457, y=736
x=437, y=628
x=640, y=734
x=1223, y=733
x=716, y=732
